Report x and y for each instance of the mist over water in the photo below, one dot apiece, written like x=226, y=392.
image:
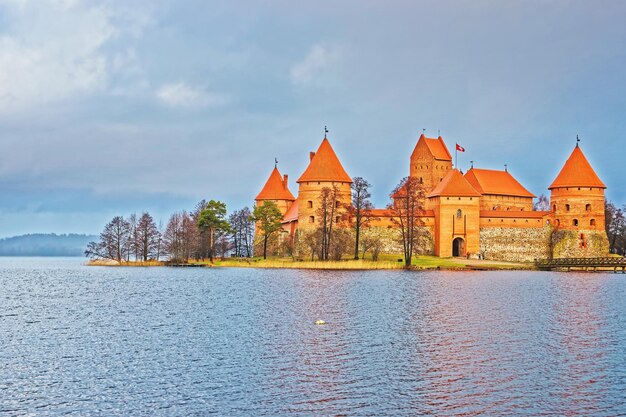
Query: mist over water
x=235, y=342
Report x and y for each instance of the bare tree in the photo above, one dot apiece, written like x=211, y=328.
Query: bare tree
x=179, y=237
x=113, y=243
x=147, y=237
x=616, y=228
x=328, y=214
x=360, y=209
x=542, y=204
x=242, y=228
x=407, y=213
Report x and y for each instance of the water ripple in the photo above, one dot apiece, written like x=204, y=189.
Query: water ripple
x=242, y=342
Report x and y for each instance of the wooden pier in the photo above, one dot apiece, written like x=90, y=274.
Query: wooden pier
x=585, y=264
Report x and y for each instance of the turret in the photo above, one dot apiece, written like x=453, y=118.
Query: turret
x=577, y=195
x=324, y=171
x=430, y=161
x=276, y=189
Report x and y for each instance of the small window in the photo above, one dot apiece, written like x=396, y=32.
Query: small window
x=554, y=207
x=421, y=180
x=592, y=222
x=337, y=204
x=311, y=219
x=567, y=207
x=309, y=204
x=459, y=213
x=337, y=219
x=588, y=207
x=575, y=222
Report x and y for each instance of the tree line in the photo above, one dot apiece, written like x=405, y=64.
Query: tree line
x=616, y=228
x=206, y=232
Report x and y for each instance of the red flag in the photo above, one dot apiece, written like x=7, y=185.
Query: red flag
x=460, y=148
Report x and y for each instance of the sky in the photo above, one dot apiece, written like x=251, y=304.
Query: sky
x=114, y=107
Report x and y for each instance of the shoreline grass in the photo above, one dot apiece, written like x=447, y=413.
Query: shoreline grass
x=385, y=262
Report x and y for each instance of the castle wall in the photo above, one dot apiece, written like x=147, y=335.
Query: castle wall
x=579, y=244
x=515, y=244
x=506, y=203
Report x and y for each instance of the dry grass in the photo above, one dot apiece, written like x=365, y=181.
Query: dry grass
x=110, y=262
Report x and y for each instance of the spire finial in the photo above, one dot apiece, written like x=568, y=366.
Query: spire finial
x=577, y=140
x=438, y=132
x=472, y=163
x=424, y=132
x=506, y=168
x=325, y=132
x=275, y=162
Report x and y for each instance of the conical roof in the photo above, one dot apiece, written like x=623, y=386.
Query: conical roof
x=577, y=172
x=325, y=166
x=436, y=146
x=275, y=188
x=493, y=182
x=454, y=184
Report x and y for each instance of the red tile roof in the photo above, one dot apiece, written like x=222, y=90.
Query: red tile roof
x=275, y=188
x=437, y=147
x=577, y=172
x=492, y=182
x=454, y=184
x=292, y=213
x=325, y=166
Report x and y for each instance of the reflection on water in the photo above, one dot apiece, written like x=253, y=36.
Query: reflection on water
x=157, y=341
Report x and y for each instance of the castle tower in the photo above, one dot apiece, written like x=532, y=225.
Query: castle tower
x=456, y=204
x=276, y=189
x=324, y=171
x=430, y=161
x=577, y=202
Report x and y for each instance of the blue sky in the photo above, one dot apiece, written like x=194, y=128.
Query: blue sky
x=113, y=107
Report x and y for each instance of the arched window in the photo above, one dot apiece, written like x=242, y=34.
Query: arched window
x=337, y=204
x=575, y=222
x=553, y=207
x=337, y=219
x=557, y=222
x=421, y=180
x=592, y=222
x=309, y=204
x=311, y=219
x=567, y=207
x=459, y=214
x=588, y=207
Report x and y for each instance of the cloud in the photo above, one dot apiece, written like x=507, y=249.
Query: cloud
x=317, y=61
x=53, y=50
x=182, y=95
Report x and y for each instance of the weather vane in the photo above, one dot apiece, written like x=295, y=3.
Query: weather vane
x=506, y=167
x=275, y=162
x=325, y=132
x=577, y=140
x=423, y=131
x=438, y=132
x=472, y=162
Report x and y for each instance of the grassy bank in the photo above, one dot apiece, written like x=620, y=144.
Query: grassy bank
x=385, y=261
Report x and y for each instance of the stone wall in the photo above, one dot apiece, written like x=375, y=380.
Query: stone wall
x=515, y=244
x=579, y=244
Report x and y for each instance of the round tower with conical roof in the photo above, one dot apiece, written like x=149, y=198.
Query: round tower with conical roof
x=324, y=171
x=276, y=189
x=577, y=203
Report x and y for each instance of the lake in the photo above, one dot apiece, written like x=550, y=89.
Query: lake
x=77, y=340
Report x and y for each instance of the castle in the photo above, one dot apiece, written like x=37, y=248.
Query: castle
x=482, y=213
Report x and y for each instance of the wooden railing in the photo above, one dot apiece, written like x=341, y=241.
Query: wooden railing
x=614, y=263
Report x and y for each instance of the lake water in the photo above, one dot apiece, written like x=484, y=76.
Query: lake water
x=242, y=342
